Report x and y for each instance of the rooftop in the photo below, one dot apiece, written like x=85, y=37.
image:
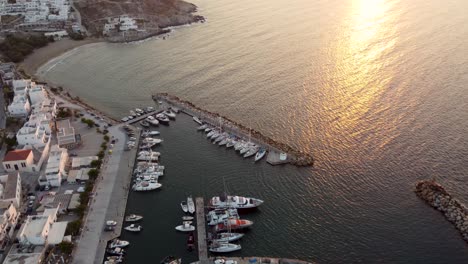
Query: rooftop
x=16, y=155
x=24, y=255
x=11, y=185
x=35, y=225
x=57, y=233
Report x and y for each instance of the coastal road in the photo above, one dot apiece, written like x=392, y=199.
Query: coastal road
x=111, y=182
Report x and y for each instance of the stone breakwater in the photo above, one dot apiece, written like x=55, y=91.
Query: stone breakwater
x=297, y=157
x=436, y=196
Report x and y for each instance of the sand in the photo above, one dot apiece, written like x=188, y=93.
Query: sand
x=43, y=55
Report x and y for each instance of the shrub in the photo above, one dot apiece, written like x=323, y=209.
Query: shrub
x=96, y=163
x=93, y=173
x=106, y=138
x=73, y=228
x=66, y=247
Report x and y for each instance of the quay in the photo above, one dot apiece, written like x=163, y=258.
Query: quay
x=201, y=230
x=253, y=260
x=294, y=156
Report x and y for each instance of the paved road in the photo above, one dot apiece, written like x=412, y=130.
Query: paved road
x=2, y=110
x=109, y=192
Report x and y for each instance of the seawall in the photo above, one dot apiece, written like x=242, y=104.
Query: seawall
x=296, y=157
x=437, y=197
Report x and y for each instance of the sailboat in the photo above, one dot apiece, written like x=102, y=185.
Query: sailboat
x=191, y=205
x=260, y=154
x=224, y=247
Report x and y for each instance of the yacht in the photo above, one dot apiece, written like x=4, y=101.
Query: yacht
x=169, y=114
x=153, y=156
x=252, y=151
x=240, y=144
x=133, y=218
x=202, y=127
x=224, y=141
x=260, y=154
x=185, y=227
x=133, y=228
x=163, y=119
x=196, y=119
x=233, y=224
x=146, y=186
x=238, y=202
x=184, y=206
x=152, y=140
x=224, y=247
x=116, y=243
x=150, y=133
x=220, y=137
x=147, y=146
x=115, y=251
x=132, y=113
x=231, y=143
x=144, y=123
x=139, y=111
x=190, y=205
x=215, y=217
x=227, y=237
x=149, y=109
x=152, y=121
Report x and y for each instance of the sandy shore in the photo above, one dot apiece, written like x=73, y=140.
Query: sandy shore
x=43, y=55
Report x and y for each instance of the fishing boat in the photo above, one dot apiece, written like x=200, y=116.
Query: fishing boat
x=169, y=114
x=116, y=243
x=187, y=218
x=163, y=119
x=190, y=205
x=146, y=186
x=202, y=127
x=197, y=120
x=171, y=260
x=184, y=206
x=133, y=228
x=233, y=224
x=215, y=217
x=115, y=251
x=227, y=237
x=252, y=151
x=133, y=218
x=224, y=247
x=238, y=202
x=260, y=154
x=185, y=227
x=144, y=123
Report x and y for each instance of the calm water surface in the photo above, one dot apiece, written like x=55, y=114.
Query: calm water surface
x=375, y=89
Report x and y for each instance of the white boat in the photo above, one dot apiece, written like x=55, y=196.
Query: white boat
x=133, y=218
x=260, y=154
x=154, y=156
x=147, y=146
x=163, y=119
x=116, y=243
x=133, y=228
x=215, y=135
x=125, y=119
x=224, y=247
x=149, y=109
x=169, y=114
x=215, y=217
x=219, y=138
x=240, y=144
x=231, y=143
x=196, y=119
x=114, y=259
x=185, y=227
x=115, y=251
x=145, y=152
x=252, y=151
x=238, y=202
x=146, y=186
x=212, y=133
x=175, y=109
x=139, y=111
x=184, y=206
x=227, y=237
x=283, y=156
x=144, y=123
x=152, y=140
x=150, y=133
x=208, y=129
x=190, y=205
x=132, y=113
x=202, y=127
x=187, y=218
x=153, y=121
x=224, y=141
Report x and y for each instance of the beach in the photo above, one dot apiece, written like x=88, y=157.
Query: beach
x=54, y=49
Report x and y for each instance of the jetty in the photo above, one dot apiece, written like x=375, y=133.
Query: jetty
x=201, y=230
x=142, y=117
x=437, y=197
x=253, y=260
x=294, y=156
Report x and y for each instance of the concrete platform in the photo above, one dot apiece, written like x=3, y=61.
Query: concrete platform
x=201, y=229
x=273, y=158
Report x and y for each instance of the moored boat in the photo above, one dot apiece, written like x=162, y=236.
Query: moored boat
x=227, y=237
x=187, y=218
x=197, y=120
x=238, y=202
x=233, y=224
x=115, y=251
x=202, y=127
x=218, y=216
x=252, y=151
x=133, y=218
x=190, y=205
x=169, y=114
x=185, y=227
x=133, y=228
x=224, y=247
x=144, y=123
x=184, y=206
x=163, y=119
x=117, y=243
x=260, y=154
x=171, y=260
x=146, y=186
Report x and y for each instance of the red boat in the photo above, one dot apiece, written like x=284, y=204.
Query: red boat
x=233, y=224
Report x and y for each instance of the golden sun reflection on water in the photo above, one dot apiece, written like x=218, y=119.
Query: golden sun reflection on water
x=358, y=76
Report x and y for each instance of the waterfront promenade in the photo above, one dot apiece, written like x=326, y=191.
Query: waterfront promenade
x=108, y=203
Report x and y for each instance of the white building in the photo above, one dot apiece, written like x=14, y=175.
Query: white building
x=66, y=134
x=21, y=86
x=37, y=94
x=19, y=160
x=55, y=170
x=122, y=23
x=8, y=220
x=42, y=229
x=10, y=190
x=37, y=10
x=36, y=131
x=20, y=107
x=83, y=162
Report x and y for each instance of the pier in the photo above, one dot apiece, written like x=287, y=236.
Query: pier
x=253, y=260
x=201, y=231
x=294, y=156
x=142, y=117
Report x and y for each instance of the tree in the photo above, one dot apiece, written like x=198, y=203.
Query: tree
x=66, y=247
x=93, y=173
x=73, y=228
x=106, y=138
x=90, y=123
x=96, y=163
x=101, y=154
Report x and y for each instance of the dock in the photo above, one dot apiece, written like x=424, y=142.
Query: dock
x=201, y=230
x=273, y=158
x=255, y=260
x=142, y=117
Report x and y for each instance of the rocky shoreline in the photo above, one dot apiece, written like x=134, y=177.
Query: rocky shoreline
x=297, y=157
x=437, y=197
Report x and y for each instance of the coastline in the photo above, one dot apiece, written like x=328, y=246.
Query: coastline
x=41, y=56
